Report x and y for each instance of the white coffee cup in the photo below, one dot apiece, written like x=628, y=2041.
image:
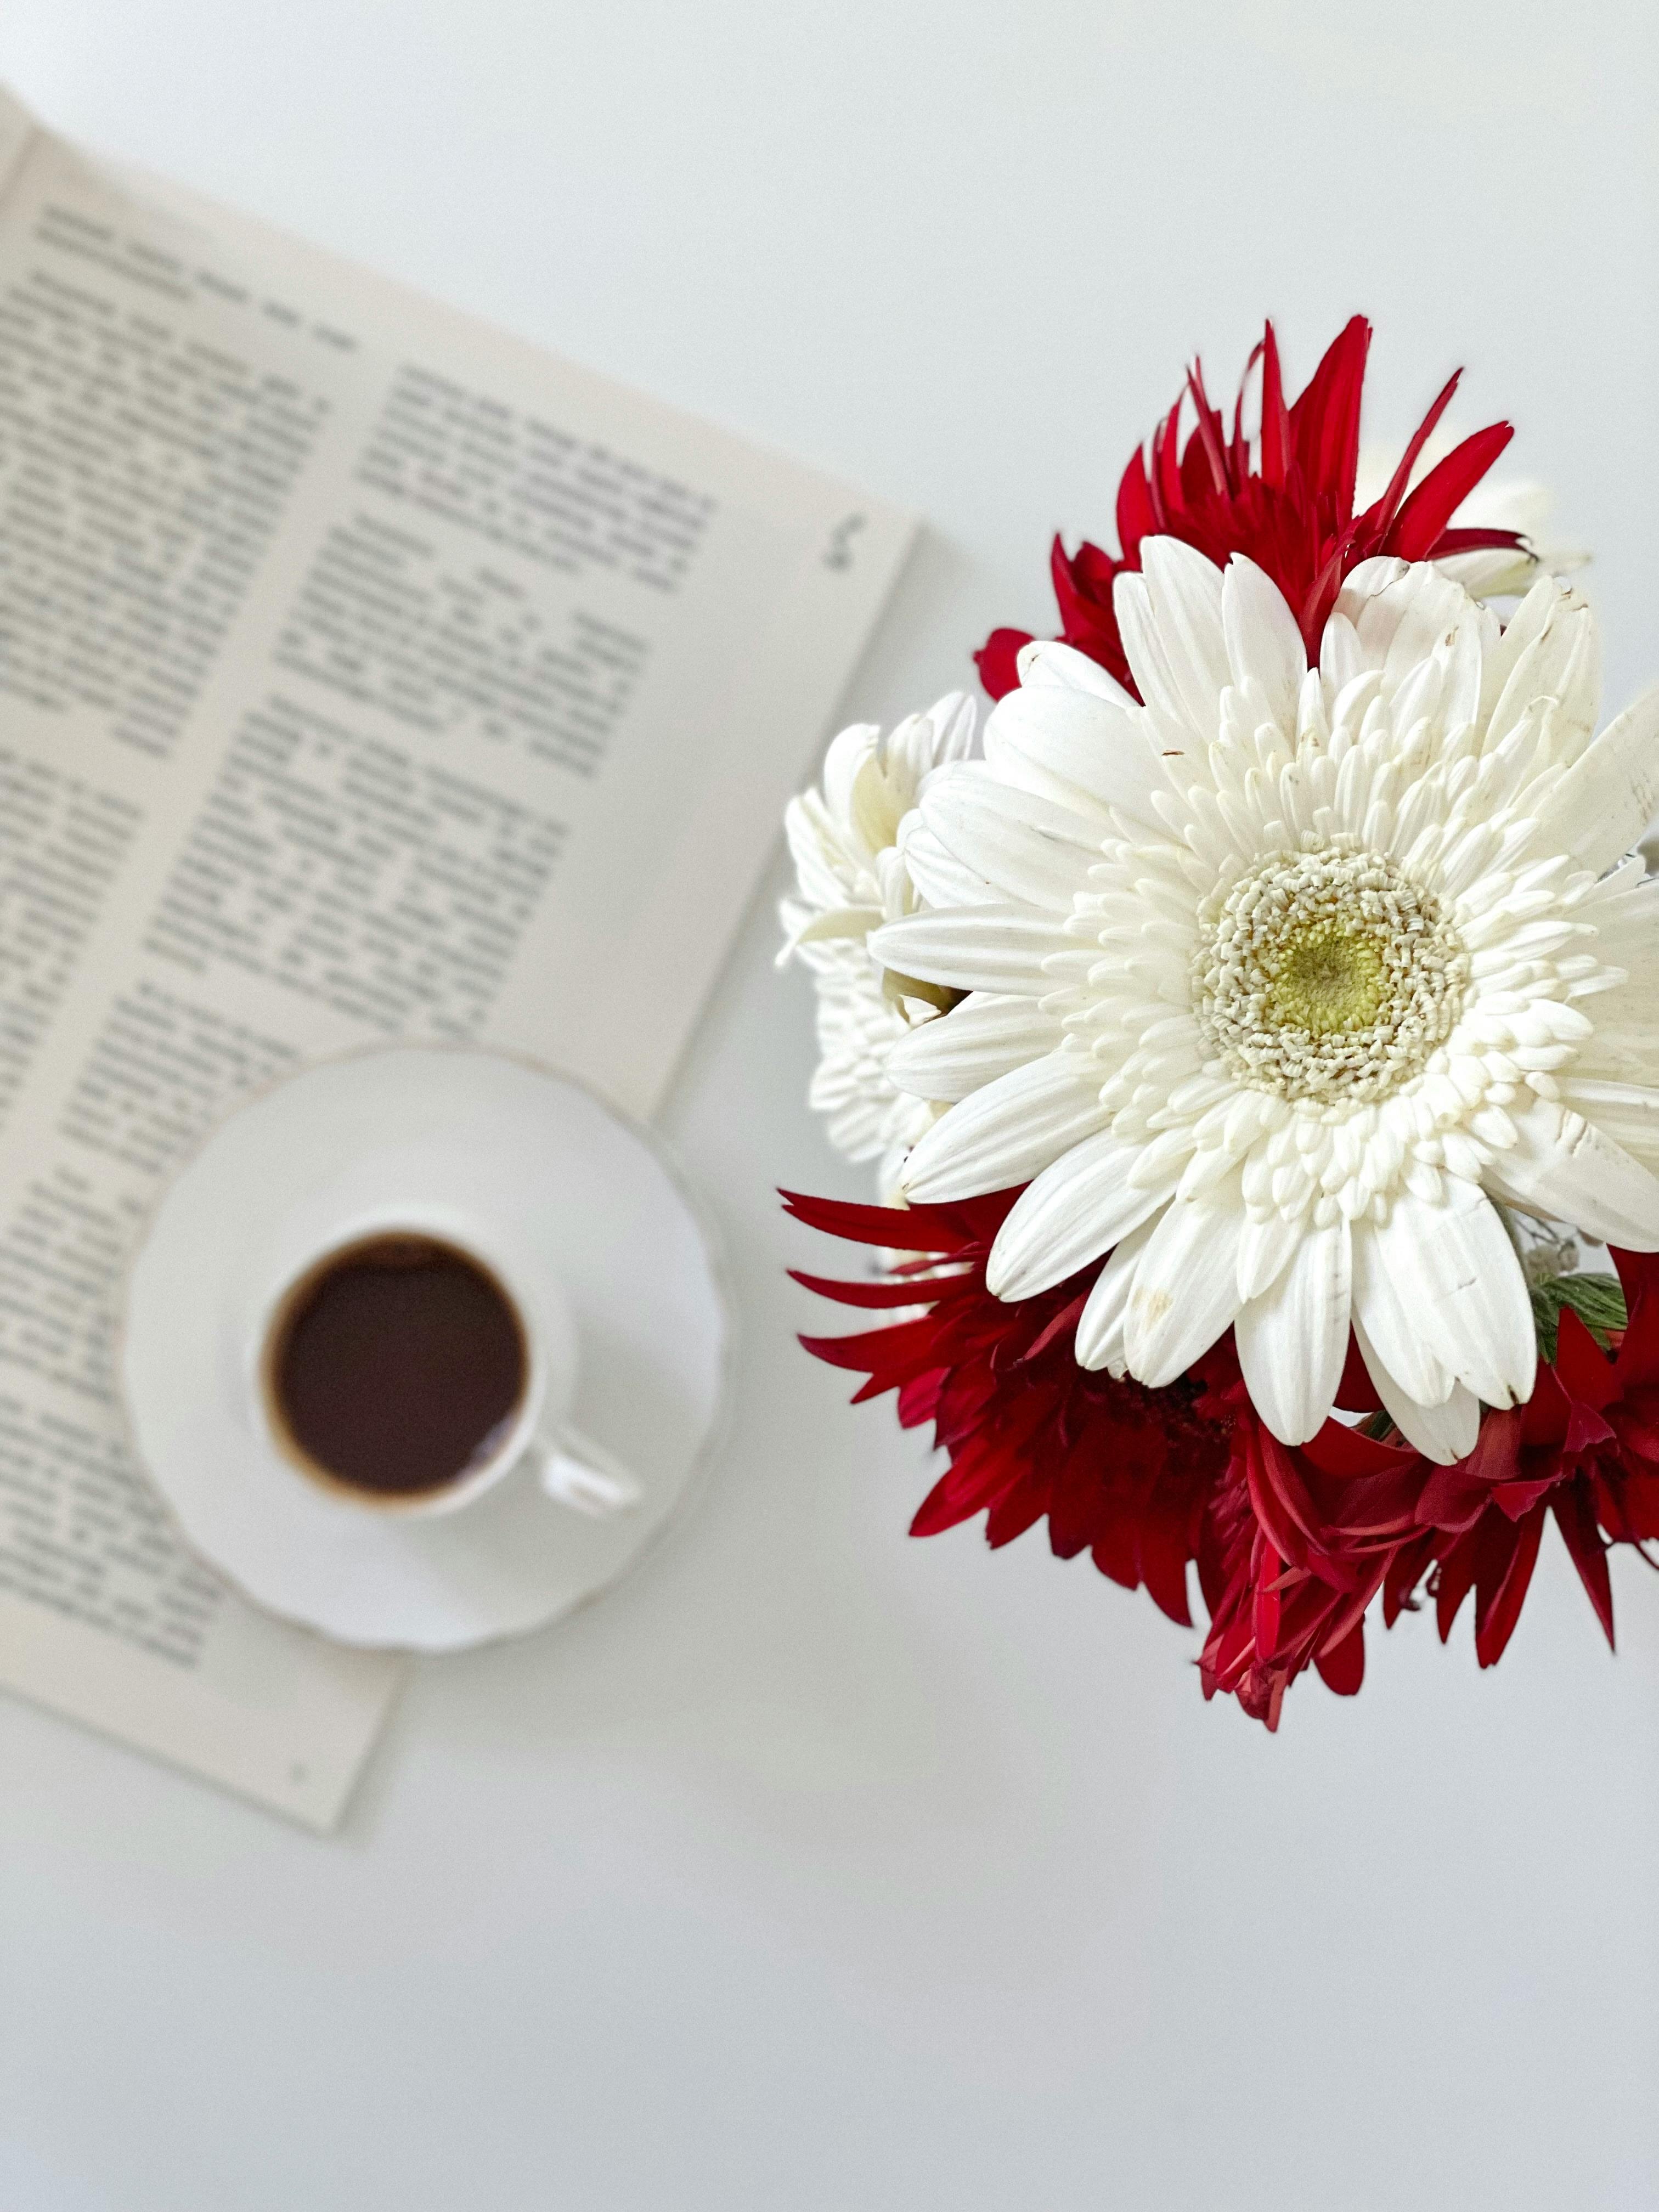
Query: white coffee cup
x=571, y=1469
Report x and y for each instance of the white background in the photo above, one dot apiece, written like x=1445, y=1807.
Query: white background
x=819, y=1870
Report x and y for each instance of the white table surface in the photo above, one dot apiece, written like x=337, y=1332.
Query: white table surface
x=819, y=1870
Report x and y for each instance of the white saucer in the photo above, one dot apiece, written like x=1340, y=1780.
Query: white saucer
x=573, y=1185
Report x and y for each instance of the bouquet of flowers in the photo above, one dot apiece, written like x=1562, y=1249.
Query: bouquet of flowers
x=1250, y=1029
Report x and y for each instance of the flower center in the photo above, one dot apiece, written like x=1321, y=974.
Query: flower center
x=1327, y=975
x=1328, y=978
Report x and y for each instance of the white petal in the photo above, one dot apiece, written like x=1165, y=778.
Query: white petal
x=849, y=753
x=1444, y=1433
x=975, y=1043
x=828, y=874
x=949, y=725
x=1370, y=578
x=1494, y=571
x=1399, y=626
x=1185, y=1293
x=1186, y=602
x=1032, y=850
x=1520, y=633
x=1551, y=648
x=1262, y=638
x=1462, y=1289
x=939, y=876
x=975, y=948
x=1070, y=1214
x=1611, y=792
x=1005, y=1133
x=1379, y=1303
x=1045, y=661
x=1081, y=741
x=1149, y=663
x=1100, y=1329
x=1342, y=656
x=1627, y=1112
x=1565, y=1166
x=1265, y=1249
x=1293, y=1341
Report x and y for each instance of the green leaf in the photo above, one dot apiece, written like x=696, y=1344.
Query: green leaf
x=1598, y=1301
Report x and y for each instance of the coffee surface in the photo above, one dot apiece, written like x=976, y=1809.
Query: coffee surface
x=396, y=1365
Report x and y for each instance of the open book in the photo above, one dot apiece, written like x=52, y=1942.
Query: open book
x=364, y=673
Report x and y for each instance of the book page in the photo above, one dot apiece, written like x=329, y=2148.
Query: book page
x=364, y=674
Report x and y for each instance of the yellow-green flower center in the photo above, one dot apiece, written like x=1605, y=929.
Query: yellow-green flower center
x=1326, y=975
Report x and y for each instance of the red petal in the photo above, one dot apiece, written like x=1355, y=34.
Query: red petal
x=1265, y=1613
x=998, y=662
x=1544, y=1416
x=897, y=1228
x=1443, y=491
x=1452, y=1499
x=1641, y=1504
x=983, y=1469
x=1638, y=1351
x=1276, y=1523
x=1637, y=1437
x=1517, y=1499
x=1167, y=501
x=1210, y=433
x=1452, y=1495
x=1497, y=1454
x=875, y=1347
x=1074, y=1505
x=1339, y=1451
x=1494, y=1624
x=1585, y=1371
x=1381, y=517
x=1275, y=417
x=1406, y=1564
x=1476, y=540
x=918, y=1399
x=1356, y=1393
x=1113, y=1551
x=1342, y=1669
x=1325, y=420
x=1456, y=1580
x=1135, y=517
x=1018, y=1510
x=1577, y=1522
x=1065, y=1319
x=1638, y=1271
x=925, y=1292
x=1164, y=1556
x=1587, y=1431
x=1091, y=571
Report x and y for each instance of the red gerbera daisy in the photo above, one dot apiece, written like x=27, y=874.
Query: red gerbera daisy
x=1585, y=1447
x=1293, y=1546
x=1286, y=501
x=1298, y=1542
x=1121, y=1471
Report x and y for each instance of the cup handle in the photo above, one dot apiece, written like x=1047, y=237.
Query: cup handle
x=576, y=1472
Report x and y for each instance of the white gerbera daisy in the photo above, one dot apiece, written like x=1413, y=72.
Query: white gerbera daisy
x=851, y=874
x=867, y=1115
x=1280, y=978
x=844, y=838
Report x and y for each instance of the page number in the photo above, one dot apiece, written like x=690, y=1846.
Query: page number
x=838, y=553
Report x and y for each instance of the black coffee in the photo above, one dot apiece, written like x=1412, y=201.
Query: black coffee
x=396, y=1365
